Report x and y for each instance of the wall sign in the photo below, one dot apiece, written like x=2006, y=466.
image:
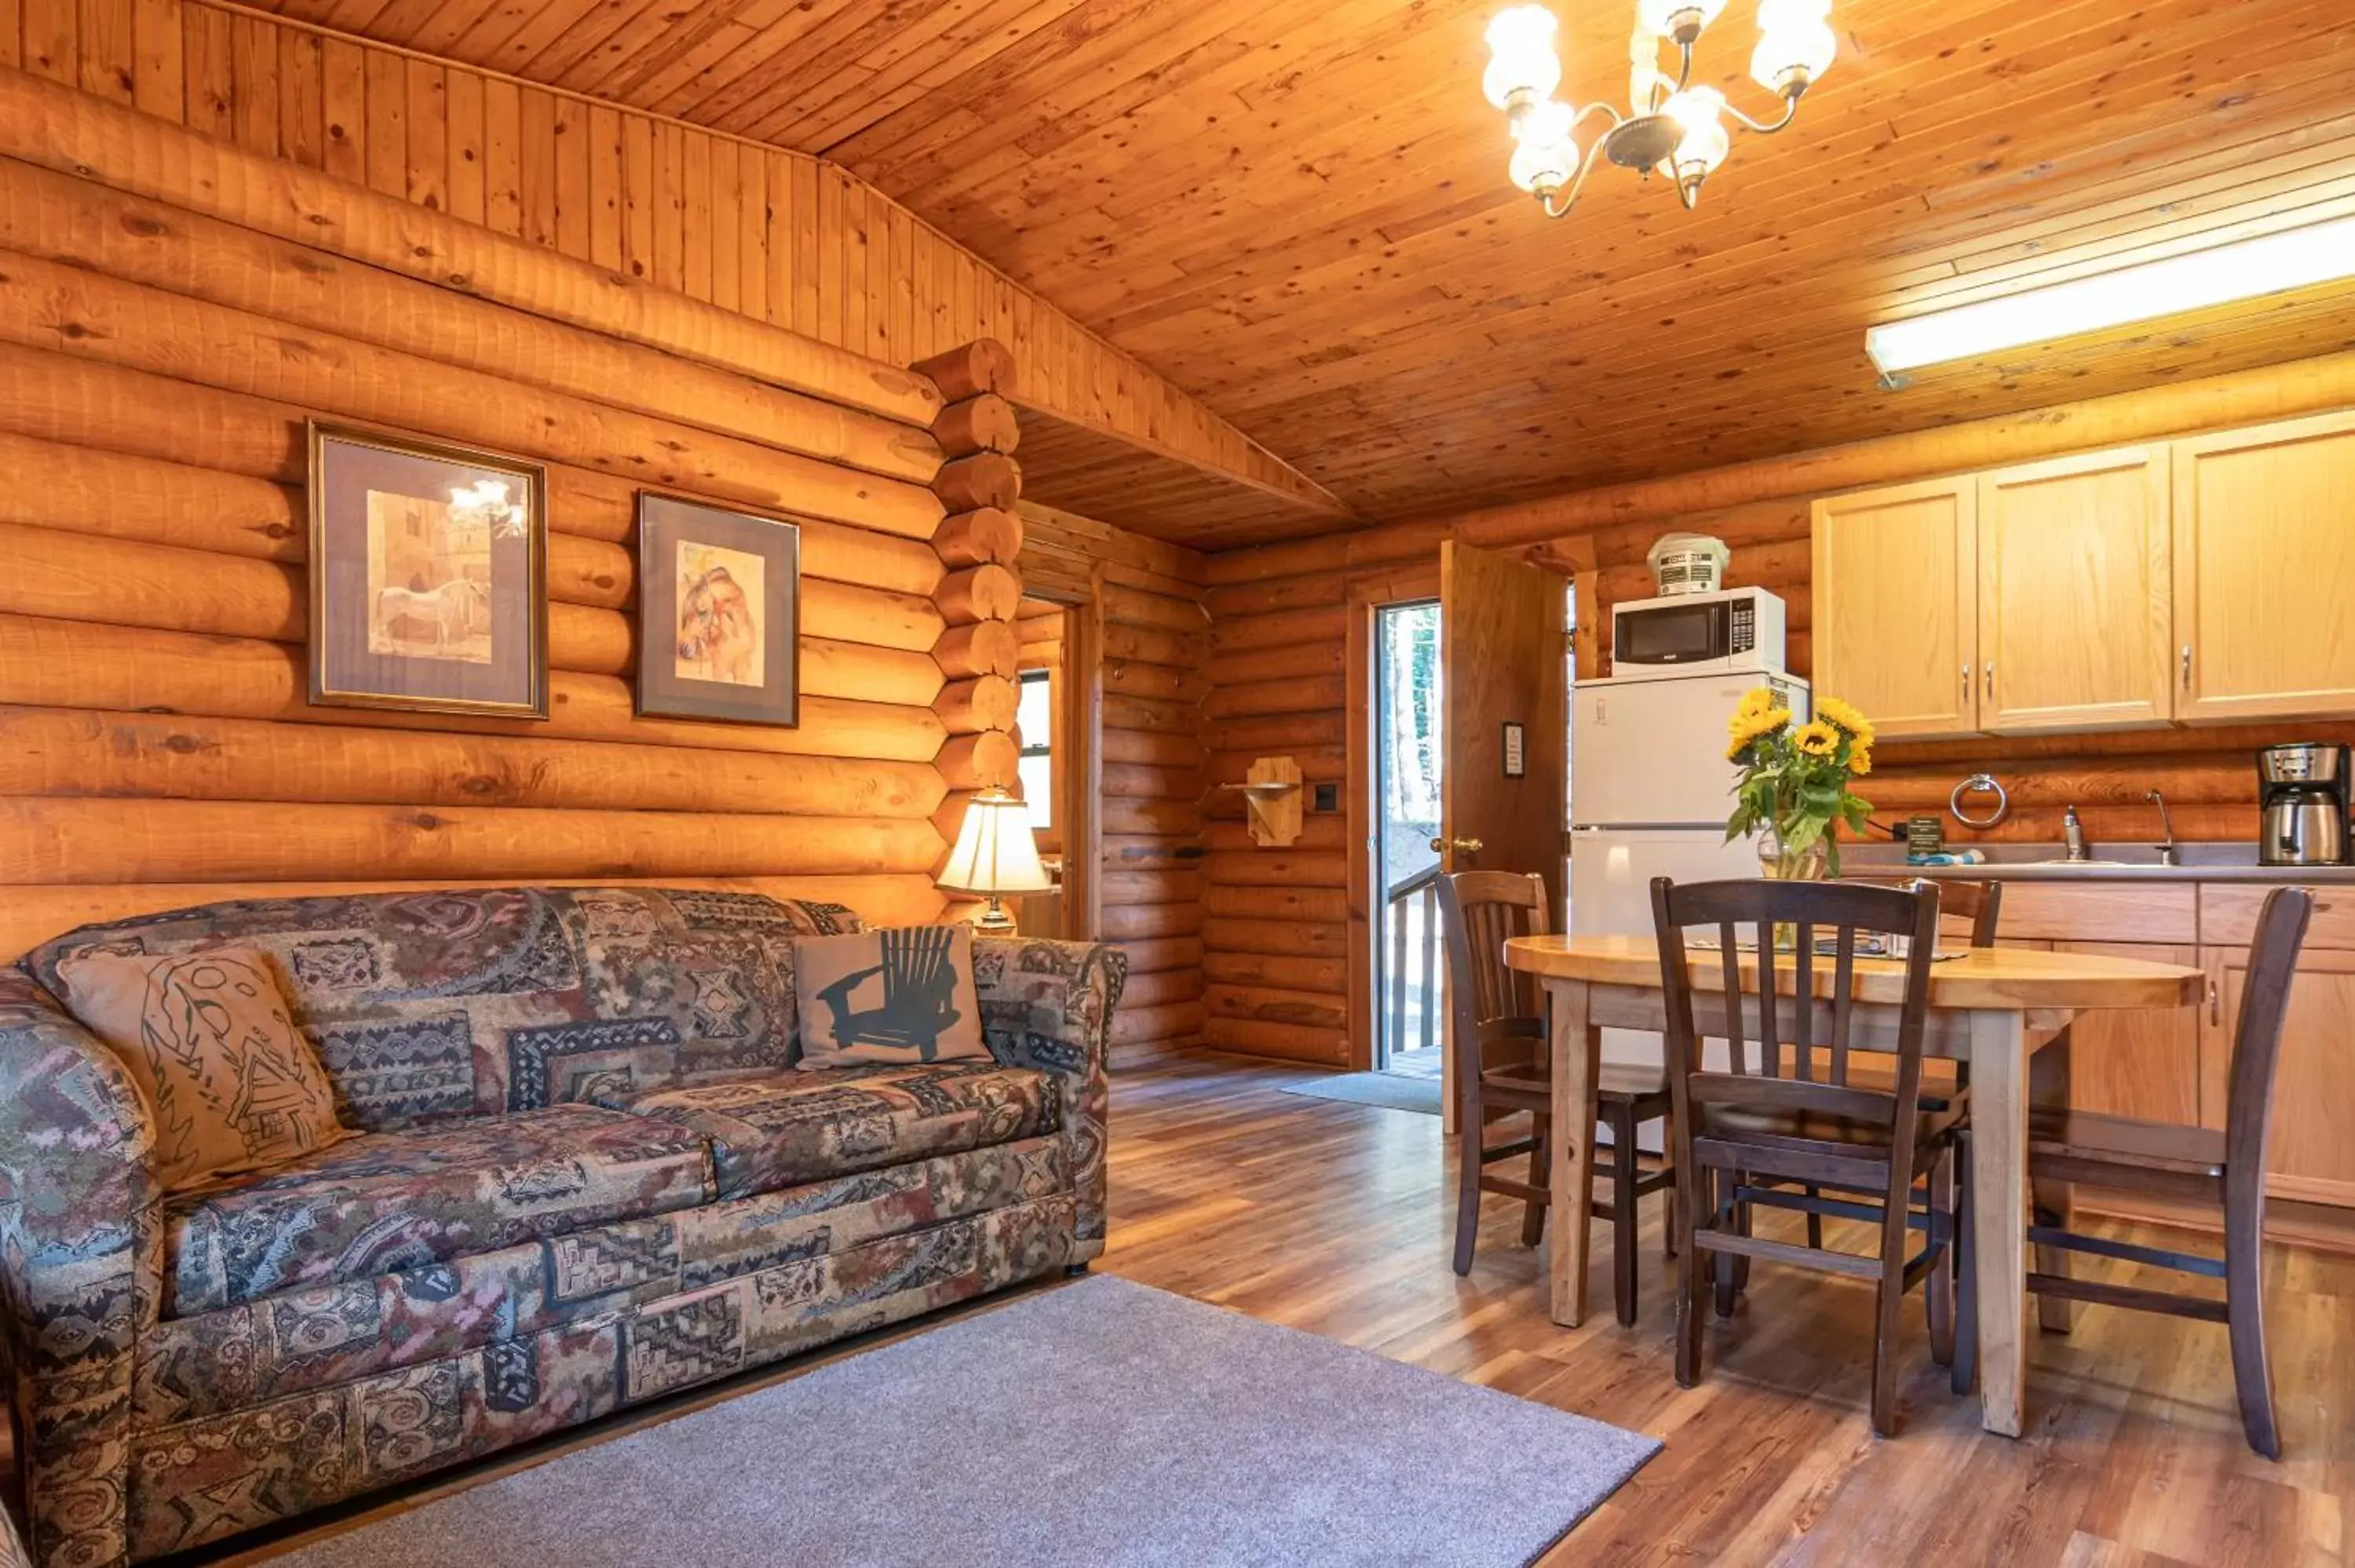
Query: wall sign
x=1517, y=752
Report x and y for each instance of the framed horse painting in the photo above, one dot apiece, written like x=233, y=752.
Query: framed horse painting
x=720, y=613
x=429, y=575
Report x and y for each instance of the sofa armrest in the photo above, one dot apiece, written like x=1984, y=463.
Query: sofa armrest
x=80, y=1265
x=1049, y=1005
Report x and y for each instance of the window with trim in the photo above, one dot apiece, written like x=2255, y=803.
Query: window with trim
x=1034, y=717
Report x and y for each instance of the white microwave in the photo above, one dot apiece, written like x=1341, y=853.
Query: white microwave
x=1732, y=631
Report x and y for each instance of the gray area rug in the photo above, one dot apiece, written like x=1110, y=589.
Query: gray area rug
x=1391, y=1090
x=1102, y=1423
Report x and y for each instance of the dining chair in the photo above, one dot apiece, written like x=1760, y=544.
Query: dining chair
x=1750, y=1135
x=1981, y=904
x=2220, y=1169
x=1503, y=1062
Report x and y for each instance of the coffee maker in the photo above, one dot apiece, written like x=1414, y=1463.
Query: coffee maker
x=2302, y=805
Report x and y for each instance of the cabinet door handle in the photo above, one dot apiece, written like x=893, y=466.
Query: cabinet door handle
x=2215, y=1004
x=1989, y=687
x=2187, y=666
x=1966, y=688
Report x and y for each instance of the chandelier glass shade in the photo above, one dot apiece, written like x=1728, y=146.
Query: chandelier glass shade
x=1672, y=125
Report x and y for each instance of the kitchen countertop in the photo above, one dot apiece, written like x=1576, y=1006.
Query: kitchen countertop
x=2118, y=862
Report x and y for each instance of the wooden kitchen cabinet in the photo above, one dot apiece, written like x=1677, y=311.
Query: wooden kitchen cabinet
x=2265, y=546
x=2313, y=1155
x=2073, y=629
x=1896, y=590
x=2145, y=1064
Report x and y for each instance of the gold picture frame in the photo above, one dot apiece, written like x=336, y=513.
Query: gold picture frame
x=427, y=575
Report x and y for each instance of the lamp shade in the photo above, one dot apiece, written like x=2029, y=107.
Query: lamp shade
x=994, y=851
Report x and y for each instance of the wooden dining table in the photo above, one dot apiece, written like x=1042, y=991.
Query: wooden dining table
x=2005, y=1011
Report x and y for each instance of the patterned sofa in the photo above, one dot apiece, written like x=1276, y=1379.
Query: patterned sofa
x=587, y=1176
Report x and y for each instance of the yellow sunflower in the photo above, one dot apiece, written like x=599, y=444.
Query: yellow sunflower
x=1860, y=761
x=1756, y=701
x=1745, y=727
x=1847, y=717
x=1816, y=738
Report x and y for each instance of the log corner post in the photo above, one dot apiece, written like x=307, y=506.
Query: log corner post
x=980, y=594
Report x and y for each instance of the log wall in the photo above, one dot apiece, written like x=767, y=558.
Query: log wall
x=1276, y=926
x=1152, y=636
x=777, y=236
x=163, y=340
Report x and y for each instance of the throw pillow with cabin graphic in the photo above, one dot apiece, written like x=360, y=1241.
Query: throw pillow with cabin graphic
x=897, y=996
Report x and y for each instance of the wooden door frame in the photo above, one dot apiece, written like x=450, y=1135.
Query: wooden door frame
x=1404, y=583
x=1080, y=735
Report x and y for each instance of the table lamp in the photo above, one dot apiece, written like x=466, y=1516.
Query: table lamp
x=995, y=854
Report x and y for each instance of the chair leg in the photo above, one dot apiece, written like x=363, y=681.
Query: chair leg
x=1815, y=1221
x=1467, y=1186
x=1692, y=1276
x=1730, y=1273
x=1963, y=1370
x=2244, y=1306
x=1939, y=1288
x=1888, y=1297
x=1533, y=1213
x=1622, y=1211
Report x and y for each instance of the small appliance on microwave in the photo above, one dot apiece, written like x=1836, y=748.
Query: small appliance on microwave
x=1730, y=631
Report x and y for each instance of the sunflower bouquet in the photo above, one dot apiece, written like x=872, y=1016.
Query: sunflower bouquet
x=1794, y=780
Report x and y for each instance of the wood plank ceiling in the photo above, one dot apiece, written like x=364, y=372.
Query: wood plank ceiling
x=1297, y=210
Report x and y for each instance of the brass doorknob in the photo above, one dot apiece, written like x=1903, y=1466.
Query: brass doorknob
x=1461, y=846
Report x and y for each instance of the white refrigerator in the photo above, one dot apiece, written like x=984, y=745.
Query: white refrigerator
x=1650, y=790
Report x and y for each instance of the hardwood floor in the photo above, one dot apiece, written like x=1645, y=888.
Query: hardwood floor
x=1334, y=1218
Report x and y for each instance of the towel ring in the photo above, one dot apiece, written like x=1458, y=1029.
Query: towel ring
x=1979, y=784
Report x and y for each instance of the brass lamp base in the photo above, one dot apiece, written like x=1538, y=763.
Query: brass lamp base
x=994, y=921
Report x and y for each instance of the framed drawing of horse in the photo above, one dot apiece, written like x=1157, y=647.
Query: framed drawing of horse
x=720, y=613
x=429, y=575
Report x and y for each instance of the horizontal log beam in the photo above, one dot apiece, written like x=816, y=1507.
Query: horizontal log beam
x=80, y=134
x=86, y=665
x=986, y=423
x=986, y=478
x=970, y=369
x=81, y=752
x=74, y=223
x=47, y=306
x=86, y=488
x=983, y=648
x=985, y=536
x=47, y=840
x=986, y=592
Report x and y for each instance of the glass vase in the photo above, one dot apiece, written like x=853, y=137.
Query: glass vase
x=1777, y=863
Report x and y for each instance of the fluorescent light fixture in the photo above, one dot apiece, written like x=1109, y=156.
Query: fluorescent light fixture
x=2244, y=269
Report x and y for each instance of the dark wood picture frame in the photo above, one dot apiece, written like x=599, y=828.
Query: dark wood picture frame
x=472, y=639
x=713, y=646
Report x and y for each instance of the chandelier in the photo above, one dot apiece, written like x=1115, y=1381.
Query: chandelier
x=1672, y=126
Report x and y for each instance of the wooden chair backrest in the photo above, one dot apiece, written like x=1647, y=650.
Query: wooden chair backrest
x=1494, y=1010
x=2257, y=1034
x=1783, y=987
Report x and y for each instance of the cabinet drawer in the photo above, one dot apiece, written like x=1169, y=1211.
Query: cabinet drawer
x=2102, y=912
x=2228, y=914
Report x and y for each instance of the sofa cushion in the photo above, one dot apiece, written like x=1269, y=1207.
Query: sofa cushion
x=792, y=1127
x=385, y=1202
x=434, y=1005
x=889, y=998
x=234, y=1087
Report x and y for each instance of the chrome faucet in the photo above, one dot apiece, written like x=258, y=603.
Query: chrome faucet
x=2072, y=834
x=2167, y=854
